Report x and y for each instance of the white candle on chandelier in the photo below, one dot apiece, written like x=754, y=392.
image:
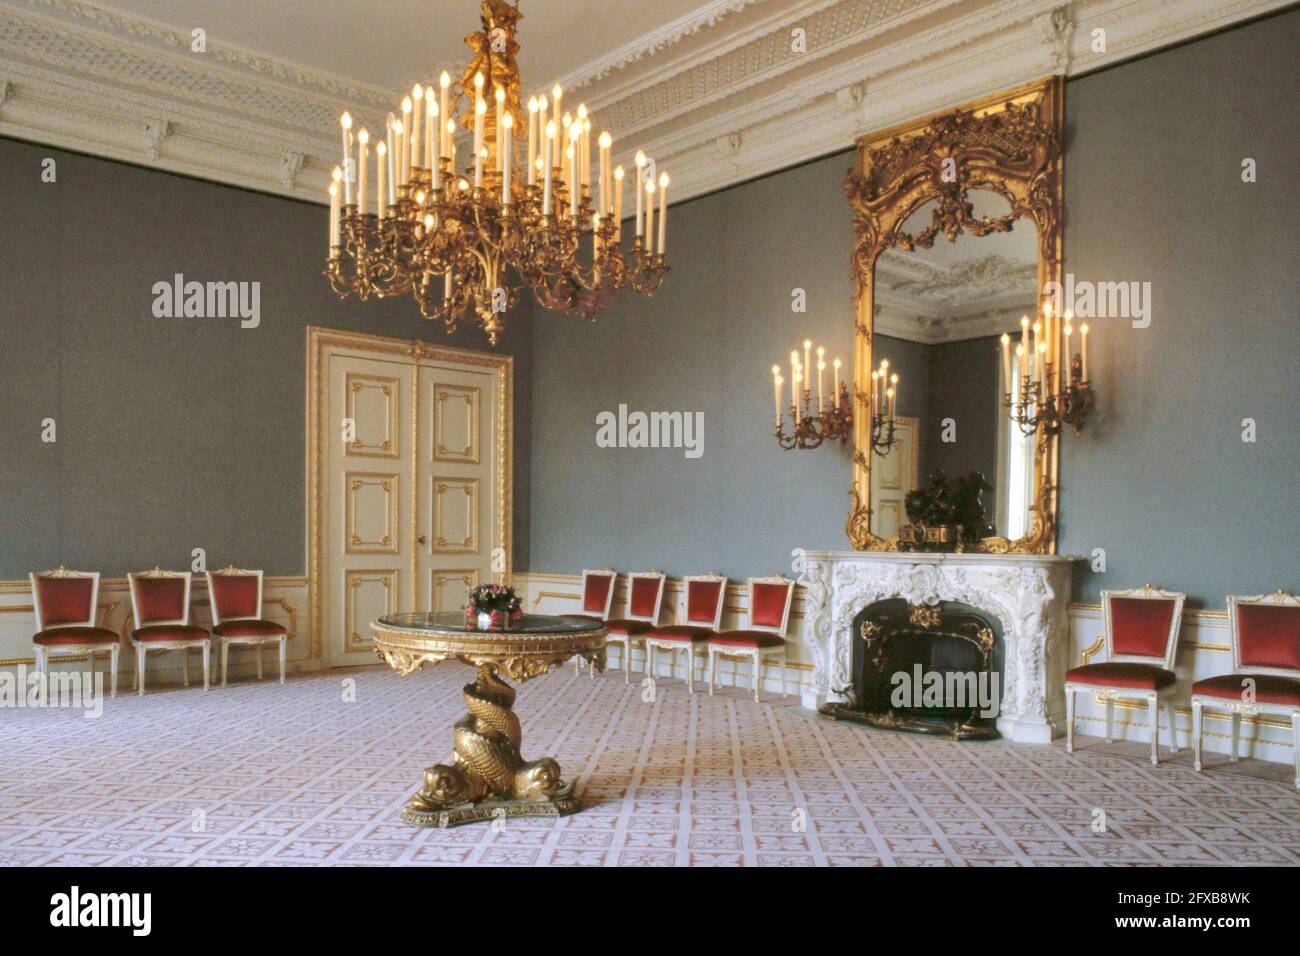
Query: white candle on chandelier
x=835, y=395
x=444, y=105
x=432, y=128
x=500, y=97
x=345, y=121
x=821, y=368
x=446, y=286
x=556, y=94
x=395, y=157
x=546, y=152
x=893, y=395
x=532, y=141
x=363, y=149
x=381, y=167
x=584, y=155
x=451, y=150
x=408, y=128
x=575, y=192
x=1017, y=368
x=1039, y=353
x=663, y=213
x=1006, y=359
x=606, y=141
x=1083, y=351
x=875, y=389
x=796, y=381
x=334, y=209
x=618, y=198
x=480, y=111
x=417, y=117
x=807, y=353
x=884, y=380
x=650, y=216
x=794, y=377
x=640, y=176
x=543, y=148
x=507, y=124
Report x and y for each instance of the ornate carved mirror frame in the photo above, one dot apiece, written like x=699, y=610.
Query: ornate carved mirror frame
x=1009, y=144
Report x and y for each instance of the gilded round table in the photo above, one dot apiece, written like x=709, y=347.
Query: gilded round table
x=487, y=777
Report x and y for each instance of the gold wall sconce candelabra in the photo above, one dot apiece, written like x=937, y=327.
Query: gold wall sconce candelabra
x=812, y=420
x=884, y=402
x=1043, y=402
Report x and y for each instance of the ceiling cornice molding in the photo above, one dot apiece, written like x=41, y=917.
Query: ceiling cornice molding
x=709, y=95
x=705, y=18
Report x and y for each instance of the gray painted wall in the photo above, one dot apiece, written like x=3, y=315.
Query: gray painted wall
x=172, y=433
x=1160, y=479
x=706, y=342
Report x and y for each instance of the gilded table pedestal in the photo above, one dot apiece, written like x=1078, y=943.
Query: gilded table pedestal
x=487, y=777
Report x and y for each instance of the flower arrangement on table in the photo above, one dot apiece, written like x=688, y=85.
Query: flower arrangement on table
x=493, y=606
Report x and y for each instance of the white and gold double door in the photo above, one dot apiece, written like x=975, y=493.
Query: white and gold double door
x=413, y=486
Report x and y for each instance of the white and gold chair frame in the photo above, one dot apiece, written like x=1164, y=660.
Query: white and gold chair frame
x=44, y=653
x=1010, y=144
x=673, y=647
x=1249, y=708
x=758, y=655
x=1108, y=694
x=627, y=641
x=258, y=641
x=142, y=648
x=587, y=575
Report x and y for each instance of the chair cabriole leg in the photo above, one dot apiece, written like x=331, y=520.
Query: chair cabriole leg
x=1196, y=733
x=1153, y=721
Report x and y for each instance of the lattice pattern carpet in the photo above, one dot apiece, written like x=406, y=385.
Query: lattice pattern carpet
x=293, y=775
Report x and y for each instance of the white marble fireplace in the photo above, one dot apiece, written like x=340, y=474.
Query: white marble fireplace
x=1027, y=593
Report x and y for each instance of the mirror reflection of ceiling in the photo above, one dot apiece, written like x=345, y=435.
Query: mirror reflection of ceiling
x=973, y=287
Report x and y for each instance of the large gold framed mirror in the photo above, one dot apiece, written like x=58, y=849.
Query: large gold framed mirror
x=957, y=222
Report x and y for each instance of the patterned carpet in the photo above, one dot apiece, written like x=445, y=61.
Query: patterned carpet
x=294, y=775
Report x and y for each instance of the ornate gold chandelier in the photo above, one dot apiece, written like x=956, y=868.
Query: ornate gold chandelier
x=466, y=237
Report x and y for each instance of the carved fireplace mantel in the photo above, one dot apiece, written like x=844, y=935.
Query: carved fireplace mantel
x=1027, y=593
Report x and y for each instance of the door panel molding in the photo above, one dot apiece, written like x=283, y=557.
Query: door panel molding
x=323, y=343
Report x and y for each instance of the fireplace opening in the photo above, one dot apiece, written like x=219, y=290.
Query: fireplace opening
x=933, y=669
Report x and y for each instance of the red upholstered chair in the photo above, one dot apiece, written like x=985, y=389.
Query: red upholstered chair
x=65, y=603
x=1141, y=640
x=160, y=604
x=705, y=596
x=764, y=641
x=645, y=595
x=597, y=599
x=1265, y=652
x=237, y=617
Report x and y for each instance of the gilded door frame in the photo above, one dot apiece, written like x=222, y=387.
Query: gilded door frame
x=319, y=341
x=1009, y=143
